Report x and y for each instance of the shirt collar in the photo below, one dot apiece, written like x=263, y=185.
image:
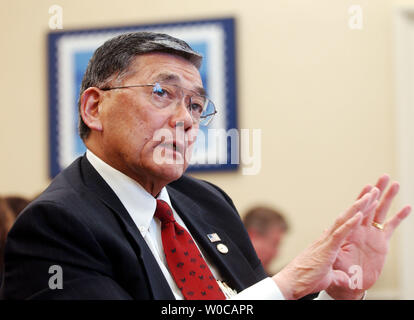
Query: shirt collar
x=137, y=201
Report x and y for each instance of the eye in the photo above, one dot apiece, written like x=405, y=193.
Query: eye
x=197, y=104
x=163, y=95
x=160, y=91
x=196, y=108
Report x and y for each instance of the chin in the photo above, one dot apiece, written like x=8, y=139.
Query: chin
x=171, y=172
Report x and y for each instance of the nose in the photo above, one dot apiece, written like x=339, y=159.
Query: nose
x=181, y=116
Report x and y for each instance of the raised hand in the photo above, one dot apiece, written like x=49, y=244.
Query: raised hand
x=358, y=240
x=313, y=270
x=365, y=249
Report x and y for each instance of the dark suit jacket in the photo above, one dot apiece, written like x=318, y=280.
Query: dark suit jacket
x=79, y=224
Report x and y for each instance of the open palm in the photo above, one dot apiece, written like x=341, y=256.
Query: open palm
x=362, y=254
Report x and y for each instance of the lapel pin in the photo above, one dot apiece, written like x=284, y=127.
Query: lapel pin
x=213, y=237
x=222, y=248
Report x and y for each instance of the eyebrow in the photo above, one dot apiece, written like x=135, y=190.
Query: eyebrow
x=171, y=77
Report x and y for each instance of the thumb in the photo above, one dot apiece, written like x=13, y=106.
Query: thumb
x=340, y=278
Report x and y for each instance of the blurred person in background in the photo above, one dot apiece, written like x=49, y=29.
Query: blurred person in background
x=266, y=227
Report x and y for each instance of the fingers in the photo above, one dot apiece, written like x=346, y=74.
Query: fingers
x=381, y=185
x=339, y=235
x=385, y=203
x=370, y=212
x=364, y=191
x=380, y=213
x=359, y=205
x=394, y=222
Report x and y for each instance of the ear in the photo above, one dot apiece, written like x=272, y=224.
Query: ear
x=89, y=108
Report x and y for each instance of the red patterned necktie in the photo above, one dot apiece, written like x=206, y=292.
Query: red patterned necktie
x=187, y=266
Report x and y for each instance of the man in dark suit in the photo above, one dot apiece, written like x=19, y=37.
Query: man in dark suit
x=103, y=228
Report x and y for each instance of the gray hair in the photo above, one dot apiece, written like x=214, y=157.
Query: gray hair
x=115, y=56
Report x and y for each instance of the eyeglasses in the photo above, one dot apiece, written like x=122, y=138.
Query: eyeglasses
x=201, y=109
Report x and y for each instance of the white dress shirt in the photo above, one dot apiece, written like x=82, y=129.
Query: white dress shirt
x=141, y=206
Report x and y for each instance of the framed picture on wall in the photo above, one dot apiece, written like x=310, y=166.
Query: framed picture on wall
x=69, y=52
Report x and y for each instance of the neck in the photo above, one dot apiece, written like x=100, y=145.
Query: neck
x=150, y=184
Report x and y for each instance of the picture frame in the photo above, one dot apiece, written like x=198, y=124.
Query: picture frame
x=70, y=50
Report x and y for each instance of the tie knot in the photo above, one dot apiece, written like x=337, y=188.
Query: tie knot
x=164, y=212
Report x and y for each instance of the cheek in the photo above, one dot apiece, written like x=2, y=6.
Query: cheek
x=130, y=122
x=125, y=131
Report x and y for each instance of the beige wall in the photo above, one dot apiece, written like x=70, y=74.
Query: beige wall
x=327, y=116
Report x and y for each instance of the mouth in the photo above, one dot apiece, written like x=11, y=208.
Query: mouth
x=174, y=146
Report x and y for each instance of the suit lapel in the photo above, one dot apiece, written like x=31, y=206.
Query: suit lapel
x=95, y=183
x=233, y=266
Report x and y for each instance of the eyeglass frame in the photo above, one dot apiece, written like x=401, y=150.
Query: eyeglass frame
x=160, y=83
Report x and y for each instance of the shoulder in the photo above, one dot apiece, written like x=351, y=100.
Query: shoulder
x=62, y=204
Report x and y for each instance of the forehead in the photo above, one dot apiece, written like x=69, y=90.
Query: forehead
x=152, y=67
